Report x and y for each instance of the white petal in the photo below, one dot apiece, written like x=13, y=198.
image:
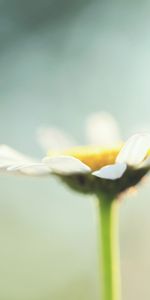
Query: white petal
x=33, y=169
x=9, y=157
x=111, y=172
x=17, y=163
x=66, y=165
x=54, y=139
x=102, y=129
x=135, y=149
x=9, y=154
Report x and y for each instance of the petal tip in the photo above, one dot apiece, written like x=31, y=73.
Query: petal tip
x=111, y=172
x=65, y=165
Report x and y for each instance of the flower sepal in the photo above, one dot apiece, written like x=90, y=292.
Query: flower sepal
x=89, y=184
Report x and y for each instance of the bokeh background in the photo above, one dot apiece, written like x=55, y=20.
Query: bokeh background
x=61, y=60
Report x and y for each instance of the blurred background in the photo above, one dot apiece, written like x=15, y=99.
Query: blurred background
x=61, y=60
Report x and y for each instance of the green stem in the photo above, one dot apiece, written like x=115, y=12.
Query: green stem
x=109, y=264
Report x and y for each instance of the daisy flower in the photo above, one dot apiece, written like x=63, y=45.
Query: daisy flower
x=106, y=167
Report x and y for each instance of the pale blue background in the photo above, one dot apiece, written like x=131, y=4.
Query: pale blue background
x=59, y=61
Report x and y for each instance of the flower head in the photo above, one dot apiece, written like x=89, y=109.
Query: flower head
x=106, y=165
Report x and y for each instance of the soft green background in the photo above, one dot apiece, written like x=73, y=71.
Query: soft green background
x=60, y=60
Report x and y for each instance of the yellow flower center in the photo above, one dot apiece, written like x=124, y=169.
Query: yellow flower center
x=93, y=156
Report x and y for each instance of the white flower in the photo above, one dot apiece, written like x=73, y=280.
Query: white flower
x=106, y=159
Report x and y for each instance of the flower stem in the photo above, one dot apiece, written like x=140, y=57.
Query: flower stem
x=109, y=264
